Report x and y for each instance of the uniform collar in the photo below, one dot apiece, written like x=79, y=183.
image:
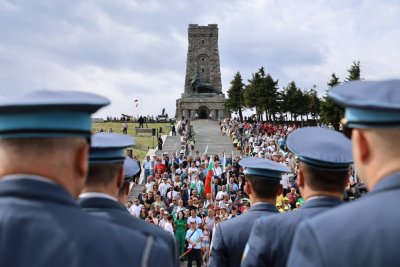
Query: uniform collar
x=100, y=203
x=35, y=187
x=97, y=195
x=389, y=182
x=321, y=201
x=263, y=206
x=28, y=176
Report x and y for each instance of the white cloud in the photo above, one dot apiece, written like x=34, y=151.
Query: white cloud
x=137, y=49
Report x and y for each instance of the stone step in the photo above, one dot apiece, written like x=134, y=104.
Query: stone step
x=208, y=137
x=171, y=144
x=135, y=191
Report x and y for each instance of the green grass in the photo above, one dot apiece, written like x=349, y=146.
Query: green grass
x=142, y=142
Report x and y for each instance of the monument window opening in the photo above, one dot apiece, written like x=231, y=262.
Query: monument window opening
x=202, y=41
x=202, y=59
x=202, y=69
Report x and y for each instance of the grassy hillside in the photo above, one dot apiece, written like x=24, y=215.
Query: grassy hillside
x=143, y=143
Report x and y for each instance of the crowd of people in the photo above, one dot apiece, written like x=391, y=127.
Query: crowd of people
x=173, y=195
x=173, y=191
x=64, y=204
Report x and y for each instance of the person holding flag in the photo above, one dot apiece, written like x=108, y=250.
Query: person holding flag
x=197, y=184
x=208, y=183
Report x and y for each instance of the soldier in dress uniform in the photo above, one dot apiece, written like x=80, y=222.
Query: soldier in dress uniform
x=108, y=181
x=364, y=232
x=40, y=222
x=324, y=160
x=263, y=185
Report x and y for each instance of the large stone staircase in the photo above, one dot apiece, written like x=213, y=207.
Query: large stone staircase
x=209, y=137
x=171, y=145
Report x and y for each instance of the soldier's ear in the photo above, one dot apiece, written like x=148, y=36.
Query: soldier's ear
x=127, y=191
x=280, y=190
x=82, y=160
x=361, y=146
x=80, y=167
x=248, y=188
x=120, y=177
x=300, y=177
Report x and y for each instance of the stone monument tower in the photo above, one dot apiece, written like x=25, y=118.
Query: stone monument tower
x=203, y=97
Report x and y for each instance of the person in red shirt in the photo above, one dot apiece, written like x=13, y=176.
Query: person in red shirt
x=160, y=166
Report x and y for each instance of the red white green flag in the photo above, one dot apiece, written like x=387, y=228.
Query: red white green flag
x=207, y=186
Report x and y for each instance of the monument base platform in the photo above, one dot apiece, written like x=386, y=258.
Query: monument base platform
x=201, y=106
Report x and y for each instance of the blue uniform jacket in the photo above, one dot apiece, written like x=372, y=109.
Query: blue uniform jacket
x=118, y=214
x=364, y=232
x=270, y=240
x=41, y=225
x=230, y=237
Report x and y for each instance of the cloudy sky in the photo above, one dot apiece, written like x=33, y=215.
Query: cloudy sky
x=136, y=49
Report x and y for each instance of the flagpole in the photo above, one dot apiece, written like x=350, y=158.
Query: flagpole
x=137, y=108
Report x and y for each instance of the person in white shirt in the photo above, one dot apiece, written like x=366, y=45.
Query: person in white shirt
x=171, y=193
x=163, y=187
x=180, y=206
x=225, y=202
x=217, y=169
x=147, y=168
x=285, y=183
x=208, y=201
x=168, y=225
x=194, y=237
x=194, y=218
x=164, y=219
x=193, y=168
x=134, y=210
x=220, y=194
x=153, y=162
x=149, y=184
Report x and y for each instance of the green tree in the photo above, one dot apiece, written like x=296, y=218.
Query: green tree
x=253, y=91
x=314, y=103
x=354, y=73
x=235, y=101
x=304, y=108
x=269, y=97
x=292, y=100
x=330, y=111
x=262, y=94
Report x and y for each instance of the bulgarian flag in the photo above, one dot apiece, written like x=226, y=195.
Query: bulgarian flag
x=207, y=186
